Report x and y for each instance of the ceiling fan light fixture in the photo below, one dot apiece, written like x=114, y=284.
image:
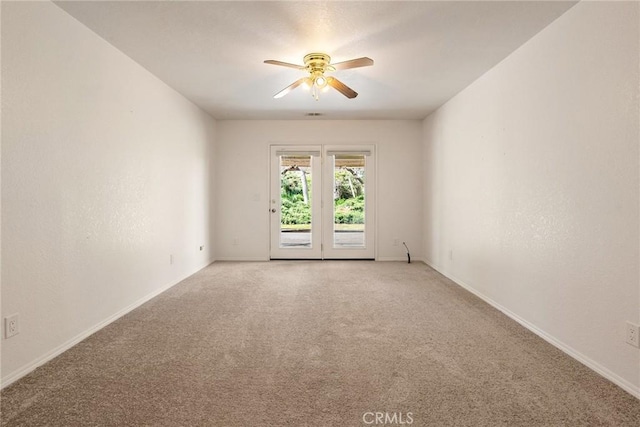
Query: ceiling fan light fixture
x=320, y=83
x=316, y=64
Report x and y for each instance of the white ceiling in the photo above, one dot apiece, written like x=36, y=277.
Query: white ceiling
x=213, y=52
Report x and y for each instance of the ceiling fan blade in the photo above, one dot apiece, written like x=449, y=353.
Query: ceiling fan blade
x=289, y=88
x=284, y=64
x=341, y=87
x=353, y=63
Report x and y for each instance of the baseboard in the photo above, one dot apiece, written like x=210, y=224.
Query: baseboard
x=252, y=259
x=588, y=362
x=399, y=258
x=29, y=367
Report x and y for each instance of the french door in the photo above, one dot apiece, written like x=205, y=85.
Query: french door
x=322, y=203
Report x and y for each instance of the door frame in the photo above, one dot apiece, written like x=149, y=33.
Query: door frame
x=275, y=250
x=319, y=223
x=369, y=250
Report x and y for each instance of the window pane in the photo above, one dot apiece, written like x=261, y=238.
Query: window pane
x=348, y=200
x=295, y=201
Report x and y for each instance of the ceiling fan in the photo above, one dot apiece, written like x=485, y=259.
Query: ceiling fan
x=316, y=64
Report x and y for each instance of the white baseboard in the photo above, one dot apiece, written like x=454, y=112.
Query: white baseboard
x=401, y=258
x=588, y=362
x=29, y=367
x=258, y=259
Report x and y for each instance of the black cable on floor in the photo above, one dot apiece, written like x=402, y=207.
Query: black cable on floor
x=408, y=254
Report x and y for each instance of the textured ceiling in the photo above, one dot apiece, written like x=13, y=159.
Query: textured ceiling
x=213, y=52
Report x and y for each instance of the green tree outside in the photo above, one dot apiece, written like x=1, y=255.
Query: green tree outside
x=348, y=195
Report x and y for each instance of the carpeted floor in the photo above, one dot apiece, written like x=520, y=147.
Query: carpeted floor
x=316, y=344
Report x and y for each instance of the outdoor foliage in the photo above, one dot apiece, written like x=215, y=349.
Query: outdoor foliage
x=349, y=193
x=350, y=211
x=295, y=212
x=291, y=184
x=348, y=185
x=294, y=209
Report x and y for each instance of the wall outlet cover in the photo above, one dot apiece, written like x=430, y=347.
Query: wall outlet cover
x=11, y=326
x=633, y=334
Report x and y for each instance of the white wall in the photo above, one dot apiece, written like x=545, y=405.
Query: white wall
x=242, y=176
x=105, y=173
x=531, y=179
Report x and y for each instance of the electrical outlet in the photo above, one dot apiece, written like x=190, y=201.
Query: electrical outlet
x=201, y=248
x=633, y=334
x=396, y=242
x=11, y=326
x=170, y=258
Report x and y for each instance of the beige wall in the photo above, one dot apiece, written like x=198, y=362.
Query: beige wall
x=531, y=186
x=242, y=174
x=105, y=173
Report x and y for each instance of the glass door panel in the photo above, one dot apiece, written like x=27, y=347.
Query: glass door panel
x=294, y=211
x=348, y=220
x=295, y=201
x=349, y=200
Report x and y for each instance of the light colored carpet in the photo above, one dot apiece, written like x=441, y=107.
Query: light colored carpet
x=315, y=344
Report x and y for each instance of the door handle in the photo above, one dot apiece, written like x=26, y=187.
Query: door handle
x=273, y=210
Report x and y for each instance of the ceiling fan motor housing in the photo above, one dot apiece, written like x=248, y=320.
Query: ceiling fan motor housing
x=317, y=62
